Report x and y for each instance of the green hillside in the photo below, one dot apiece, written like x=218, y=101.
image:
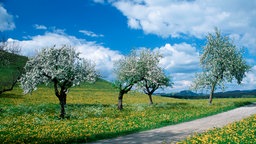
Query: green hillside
x=100, y=84
x=10, y=67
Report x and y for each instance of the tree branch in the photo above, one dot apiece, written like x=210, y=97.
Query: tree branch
x=128, y=88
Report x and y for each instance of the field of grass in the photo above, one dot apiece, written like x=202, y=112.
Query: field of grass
x=93, y=115
x=243, y=131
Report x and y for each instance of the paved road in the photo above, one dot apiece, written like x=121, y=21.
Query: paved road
x=175, y=133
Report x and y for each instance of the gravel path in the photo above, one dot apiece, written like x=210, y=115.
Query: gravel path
x=175, y=133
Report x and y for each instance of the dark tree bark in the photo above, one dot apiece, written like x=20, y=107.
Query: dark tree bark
x=121, y=94
x=120, y=100
x=212, y=93
x=149, y=91
x=62, y=96
x=150, y=99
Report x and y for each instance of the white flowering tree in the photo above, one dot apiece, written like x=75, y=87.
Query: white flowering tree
x=127, y=76
x=140, y=68
x=221, y=62
x=60, y=66
x=153, y=75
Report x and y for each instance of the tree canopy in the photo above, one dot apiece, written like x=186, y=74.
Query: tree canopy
x=221, y=62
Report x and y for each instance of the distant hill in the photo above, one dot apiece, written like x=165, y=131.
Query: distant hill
x=236, y=94
x=187, y=94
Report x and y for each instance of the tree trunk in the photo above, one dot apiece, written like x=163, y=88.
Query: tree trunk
x=120, y=100
x=150, y=99
x=212, y=92
x=62, y=96
x=62, y=99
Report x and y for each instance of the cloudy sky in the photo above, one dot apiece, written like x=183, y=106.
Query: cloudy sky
x=105, y=30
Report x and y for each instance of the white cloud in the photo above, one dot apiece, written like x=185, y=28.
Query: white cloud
x=6, y=20
x=182, y=81
x=249, y=40
x=90, y=33
x=40, y=27
x=179, y=58
x=103, y=57
x=133, y=23
x=171, y=17
x=249, y=82
x=36, y=43
x=181, y=62
x=192, y=18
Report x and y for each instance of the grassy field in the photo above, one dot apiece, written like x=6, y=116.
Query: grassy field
x=243, y=131
x=93, y=115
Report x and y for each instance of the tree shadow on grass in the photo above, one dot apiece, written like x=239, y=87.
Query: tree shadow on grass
x=240, y=104
x=251, y=105
x=14, y=96
x=89, y=105
x=170, y=105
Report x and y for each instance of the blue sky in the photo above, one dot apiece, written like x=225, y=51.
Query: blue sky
x=105, y=30
x=107, y=22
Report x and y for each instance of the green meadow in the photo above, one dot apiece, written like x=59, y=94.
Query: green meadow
x=92, y=114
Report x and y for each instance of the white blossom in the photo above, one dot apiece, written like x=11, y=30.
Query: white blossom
x=61, y=64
